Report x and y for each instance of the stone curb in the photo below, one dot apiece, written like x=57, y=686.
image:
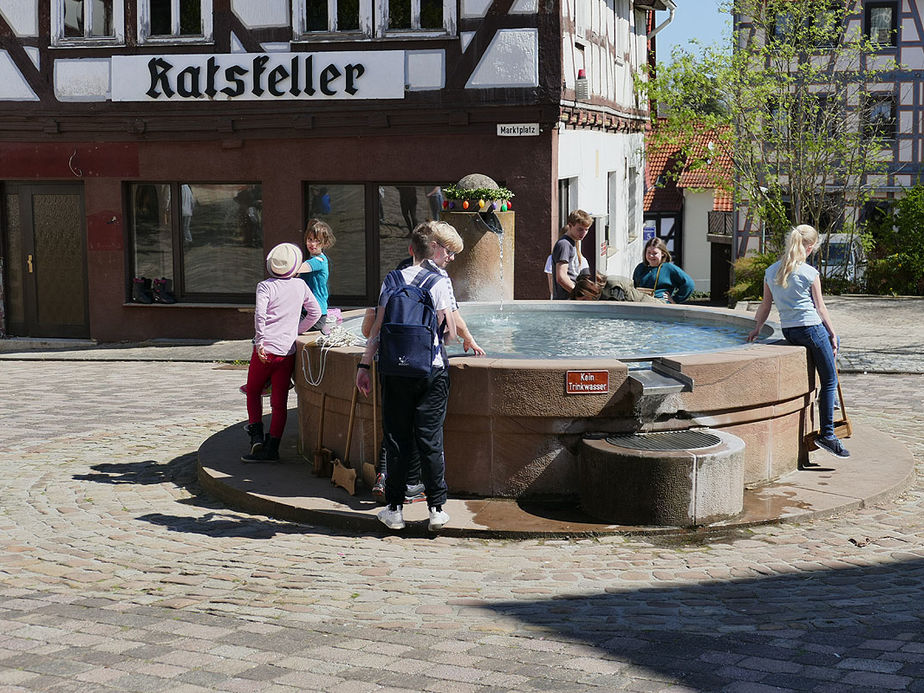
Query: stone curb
x=880, y=469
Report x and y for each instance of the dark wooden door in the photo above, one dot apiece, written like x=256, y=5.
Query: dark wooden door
x=46, y=261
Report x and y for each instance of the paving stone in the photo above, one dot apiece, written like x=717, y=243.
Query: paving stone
x=177, y=584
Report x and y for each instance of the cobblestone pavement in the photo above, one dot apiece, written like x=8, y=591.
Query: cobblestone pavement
x=117, y=573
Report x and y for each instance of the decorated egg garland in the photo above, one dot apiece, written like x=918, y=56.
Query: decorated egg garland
x=476, y=193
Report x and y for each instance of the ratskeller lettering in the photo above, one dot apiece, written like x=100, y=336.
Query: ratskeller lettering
x=296, y=79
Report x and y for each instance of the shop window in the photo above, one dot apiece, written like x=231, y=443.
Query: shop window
x=175, y=20
x=880, y=22
x=344, y=208
x=87, y=21
x=879, y=117
x=373, y=18
x=372, y=223
x=400, y=208
x=206, y=238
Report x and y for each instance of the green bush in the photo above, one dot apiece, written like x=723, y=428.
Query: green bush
x=749, y=277
x=896, y=264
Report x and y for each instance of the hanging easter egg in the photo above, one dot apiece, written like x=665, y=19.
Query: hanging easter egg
x=465, y=204
x=446, y=204
x=509, y=204
x=493, y=206
x=503, y=206
x=480, y=204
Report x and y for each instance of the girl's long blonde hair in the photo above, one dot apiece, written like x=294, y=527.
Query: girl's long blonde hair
x=801, y=236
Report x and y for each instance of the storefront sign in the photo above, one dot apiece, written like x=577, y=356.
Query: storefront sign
x=517, y=129
x=259, y=76
x=587, y=382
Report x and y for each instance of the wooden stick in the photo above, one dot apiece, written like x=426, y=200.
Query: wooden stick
x=848, y=429
x=349, y=440
x=375, y=417
x=321, y=422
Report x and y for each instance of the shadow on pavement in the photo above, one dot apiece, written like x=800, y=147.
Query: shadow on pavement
x=850, y=629
x=181, y=472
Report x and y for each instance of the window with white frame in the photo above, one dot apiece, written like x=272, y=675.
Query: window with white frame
x=373, y=18
x=632, y=202
x=87, y=21
x=174, y=20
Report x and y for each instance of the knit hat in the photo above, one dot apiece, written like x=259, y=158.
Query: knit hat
x=284, y=260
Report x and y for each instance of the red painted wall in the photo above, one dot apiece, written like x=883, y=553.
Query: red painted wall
x=526, y=165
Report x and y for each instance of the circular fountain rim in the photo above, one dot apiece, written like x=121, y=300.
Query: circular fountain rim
x=770, y=332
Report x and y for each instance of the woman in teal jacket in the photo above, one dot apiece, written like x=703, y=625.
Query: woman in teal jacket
x=662, y=279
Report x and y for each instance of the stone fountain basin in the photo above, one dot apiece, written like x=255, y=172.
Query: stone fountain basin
x=513, y=431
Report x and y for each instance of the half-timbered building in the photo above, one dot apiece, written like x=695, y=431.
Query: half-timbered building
x=181, y=139
x=891, y=107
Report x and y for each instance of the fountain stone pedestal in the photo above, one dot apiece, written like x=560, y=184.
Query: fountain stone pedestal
x=484, y=270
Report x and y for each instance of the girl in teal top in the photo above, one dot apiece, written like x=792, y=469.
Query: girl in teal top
x=657, y=273
x=316, y=270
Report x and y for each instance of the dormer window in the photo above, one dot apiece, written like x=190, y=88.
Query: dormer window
x=173, y=21
x=81, y=22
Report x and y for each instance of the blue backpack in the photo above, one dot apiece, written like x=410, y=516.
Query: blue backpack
x=411, y=335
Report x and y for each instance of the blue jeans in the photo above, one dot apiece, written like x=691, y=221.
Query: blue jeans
x=815, y=338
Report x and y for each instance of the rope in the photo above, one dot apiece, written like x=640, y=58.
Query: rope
x=338, y=337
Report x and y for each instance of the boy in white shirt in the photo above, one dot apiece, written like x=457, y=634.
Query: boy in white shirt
x=414, y=408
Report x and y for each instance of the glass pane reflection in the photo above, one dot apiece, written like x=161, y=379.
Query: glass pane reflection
x=344, y=208
x=222, y=227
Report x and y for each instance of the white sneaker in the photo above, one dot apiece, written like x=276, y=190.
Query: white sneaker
x=393, y=519
x=438, y=518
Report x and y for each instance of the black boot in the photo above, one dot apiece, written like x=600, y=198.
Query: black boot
x=141, y=290
x=269, y=453
x=255, y=431
x=162, y=292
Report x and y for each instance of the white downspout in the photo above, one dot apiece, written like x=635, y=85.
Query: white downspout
x=670, y=18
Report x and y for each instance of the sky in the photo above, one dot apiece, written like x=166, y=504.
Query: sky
x=699, y=19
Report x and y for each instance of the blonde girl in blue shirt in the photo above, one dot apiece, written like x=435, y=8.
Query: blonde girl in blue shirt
x=796, y=287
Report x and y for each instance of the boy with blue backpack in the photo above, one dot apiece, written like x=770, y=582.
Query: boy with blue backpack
x=413, y=318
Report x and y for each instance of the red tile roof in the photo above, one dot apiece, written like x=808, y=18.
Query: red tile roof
x=669, y=196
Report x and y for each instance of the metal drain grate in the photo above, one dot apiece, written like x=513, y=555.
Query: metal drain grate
x=671, y=440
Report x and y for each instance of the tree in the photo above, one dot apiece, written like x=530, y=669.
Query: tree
x=807, y=130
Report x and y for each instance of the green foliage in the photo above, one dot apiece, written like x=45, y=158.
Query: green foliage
x=749, y=276
x=788, y=96
x=897, y=262
x=452, y=192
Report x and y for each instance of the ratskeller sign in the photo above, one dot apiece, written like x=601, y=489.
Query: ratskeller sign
x=259, y=76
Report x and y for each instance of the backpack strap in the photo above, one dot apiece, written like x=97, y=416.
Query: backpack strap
x=394, y=280
x=426, y=281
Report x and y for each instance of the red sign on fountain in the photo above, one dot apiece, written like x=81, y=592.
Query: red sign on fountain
x=587, y=382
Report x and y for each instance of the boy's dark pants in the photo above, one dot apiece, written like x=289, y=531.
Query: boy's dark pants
x=413, y=412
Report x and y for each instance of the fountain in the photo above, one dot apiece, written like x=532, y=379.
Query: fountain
x=567, y=389
x=516, y=425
